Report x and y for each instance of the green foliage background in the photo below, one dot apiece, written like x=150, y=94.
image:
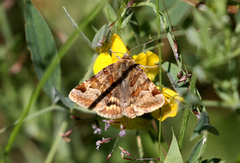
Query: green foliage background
x=38, y=136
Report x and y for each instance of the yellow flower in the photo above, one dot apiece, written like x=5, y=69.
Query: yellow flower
x=118, y=49
x=104, y=59
x=170, y=108
x=149, y=60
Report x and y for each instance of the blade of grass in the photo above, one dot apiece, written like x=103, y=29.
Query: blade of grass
x=48, y=72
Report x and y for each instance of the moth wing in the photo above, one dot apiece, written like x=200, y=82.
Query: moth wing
x=145, y=96
x=94, y=93
x=113, y=110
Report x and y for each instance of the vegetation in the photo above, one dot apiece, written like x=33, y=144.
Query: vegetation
x=43, y=57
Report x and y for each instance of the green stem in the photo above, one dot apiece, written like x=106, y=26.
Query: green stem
x=186, y=114
x=48, y=72
x=212, y=103
x=193, y=83
x=160, y=78
x=56, y=142
x=183, y=128
x=139, y=144
x=38, y=113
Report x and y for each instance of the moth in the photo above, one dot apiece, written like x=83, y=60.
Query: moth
x=120, y=89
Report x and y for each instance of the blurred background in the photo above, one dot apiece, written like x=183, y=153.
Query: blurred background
x=18, y=80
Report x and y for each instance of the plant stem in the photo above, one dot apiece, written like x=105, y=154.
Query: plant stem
x=183, y=128
x=139, y=144
x=186, y=114
x=160, y=78
x=56, y=142
x=38, y=113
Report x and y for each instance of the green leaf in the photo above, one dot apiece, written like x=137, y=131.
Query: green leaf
x=134, y=24
x=102, y=40
x=126, y=20
x=76, y=27
x=42, y=46
x=111, y=14
x=174, y=154
x=197, y=152
x=172, y=71
x=204, y=124
x=66, y=101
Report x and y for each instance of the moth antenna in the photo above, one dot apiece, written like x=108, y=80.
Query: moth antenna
x=142, y=44
x=150, y=66
x=115, y=53
x=145, y=67
x=118, y=52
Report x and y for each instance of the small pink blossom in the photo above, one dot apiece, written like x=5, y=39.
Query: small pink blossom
x=122, y=132
x=125, y=152
x=104, y=140
x=97, y=129
x=108, y=123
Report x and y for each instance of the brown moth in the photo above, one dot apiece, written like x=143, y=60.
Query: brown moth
x=120, y=89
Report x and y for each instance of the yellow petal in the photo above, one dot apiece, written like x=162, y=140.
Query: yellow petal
x=168, y=93
x=152, y=60
x=140, y=59
x=170, y=108
x=118, y=48
x=103, y=60
x=137, y=123
x=166, y=111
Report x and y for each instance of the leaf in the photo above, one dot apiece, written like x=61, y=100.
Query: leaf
x=172, y=71
x=174, y=154
x=126, y=20
x=102, y=40
x=111, y=14
x=66, y=101
x=197, y=152
x=76, y=27
x=134, y=24
x=42, y=47
x=204, y=124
